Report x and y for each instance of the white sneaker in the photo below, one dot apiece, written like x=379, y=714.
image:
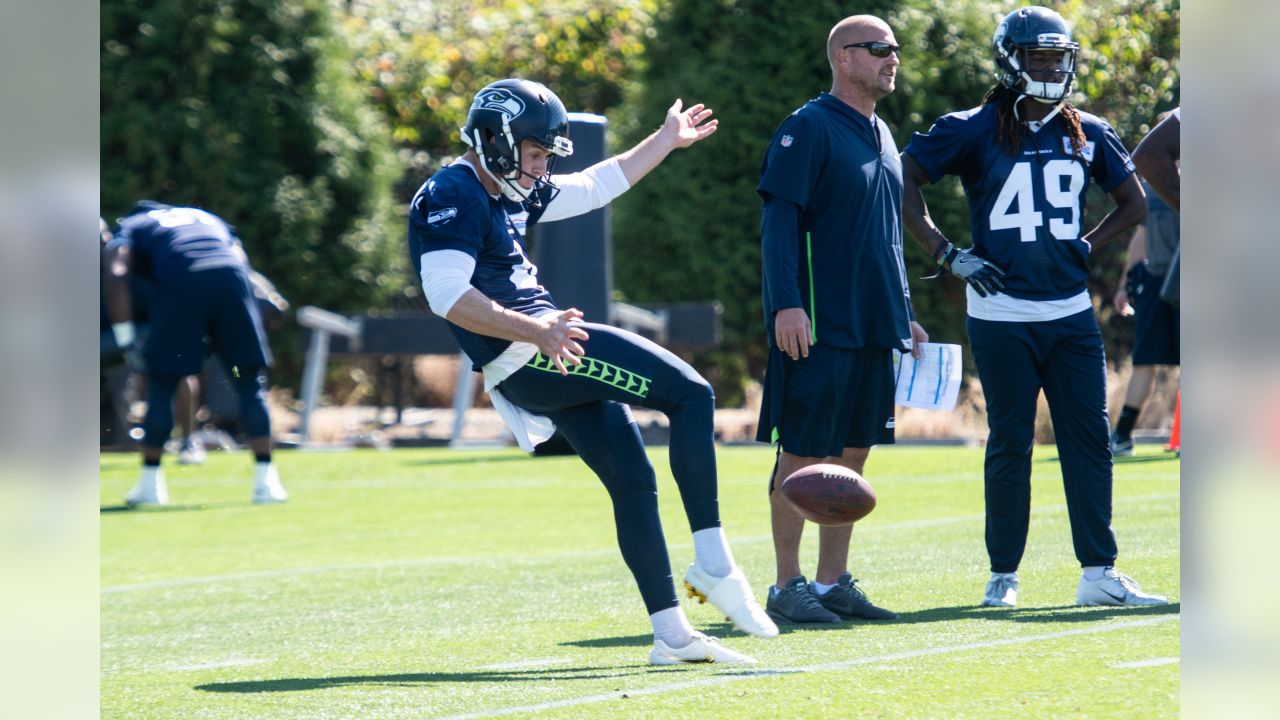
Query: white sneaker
x=732, y=595
x=192, y=452
x=266, y=486
x=1002, y=590
x=150, y=490
x=702, y=649
x=1115, y=589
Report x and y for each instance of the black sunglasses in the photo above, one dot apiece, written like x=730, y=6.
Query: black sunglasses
x=877, y=49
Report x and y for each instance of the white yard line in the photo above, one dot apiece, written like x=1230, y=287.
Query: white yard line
x=526, y=664
x=560, y=557
x=233, y=662
x=1153, y=662
x=748, y=674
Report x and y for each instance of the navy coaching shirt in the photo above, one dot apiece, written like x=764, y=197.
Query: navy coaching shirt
x=453, y=211
x=1025, y=210
x=845, y=265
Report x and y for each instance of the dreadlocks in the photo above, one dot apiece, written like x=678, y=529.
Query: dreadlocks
x=1009, y=130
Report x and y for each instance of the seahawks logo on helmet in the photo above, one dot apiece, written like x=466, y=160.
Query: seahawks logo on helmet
x=501, y=100
x=1001, y=31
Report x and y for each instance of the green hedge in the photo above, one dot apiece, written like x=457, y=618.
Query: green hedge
x=249, y=108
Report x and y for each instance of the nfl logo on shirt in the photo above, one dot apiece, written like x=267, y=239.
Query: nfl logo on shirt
x=1086, y=152
x=786, y=141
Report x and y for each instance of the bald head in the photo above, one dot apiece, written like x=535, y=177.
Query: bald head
x=855, y=28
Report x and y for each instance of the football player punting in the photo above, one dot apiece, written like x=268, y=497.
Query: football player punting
x=547, y=368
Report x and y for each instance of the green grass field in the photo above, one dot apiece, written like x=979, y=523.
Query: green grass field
x=437, y=583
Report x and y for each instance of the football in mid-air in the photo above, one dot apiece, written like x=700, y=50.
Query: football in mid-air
x=829, y=494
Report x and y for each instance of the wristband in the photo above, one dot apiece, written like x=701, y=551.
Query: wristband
x=943, y=252
x=124, y=333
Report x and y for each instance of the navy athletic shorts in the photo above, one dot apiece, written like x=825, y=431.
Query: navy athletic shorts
x=834, y=399
x=217, y=303
x=1157, y=340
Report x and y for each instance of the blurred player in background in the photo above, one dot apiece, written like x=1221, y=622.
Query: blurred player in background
x=547, y=367
x=1158, y=157
x=201, y=282
x=1026, y=157
x=1157, y=339
x=124, y=373
x=836, y=305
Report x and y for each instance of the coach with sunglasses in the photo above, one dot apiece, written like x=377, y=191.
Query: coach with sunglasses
x=836, y=304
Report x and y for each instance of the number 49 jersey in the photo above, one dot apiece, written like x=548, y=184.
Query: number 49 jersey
x=1025, y=210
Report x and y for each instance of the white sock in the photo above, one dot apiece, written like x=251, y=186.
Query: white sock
x=672, y=627
x=711, y=552
x=1094, y=573
x=822, y=588
x=150, y=474
x=261, y=471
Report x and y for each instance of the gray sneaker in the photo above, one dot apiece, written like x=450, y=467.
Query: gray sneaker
x=849, y=602
x=796, y=603
x=1002, y=590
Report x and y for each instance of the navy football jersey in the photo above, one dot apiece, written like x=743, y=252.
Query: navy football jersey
x=167, y=242
x=845, y=265
x=1025, y=210
x=452, y=211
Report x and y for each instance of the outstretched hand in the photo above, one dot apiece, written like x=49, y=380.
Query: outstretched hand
x=688, y=126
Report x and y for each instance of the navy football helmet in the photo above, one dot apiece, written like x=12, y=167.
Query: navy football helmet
x=503, y=115
x=1025, y=30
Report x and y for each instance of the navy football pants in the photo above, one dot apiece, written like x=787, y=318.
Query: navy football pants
x=251, y=386
x=590, y=408
x=1065, y=358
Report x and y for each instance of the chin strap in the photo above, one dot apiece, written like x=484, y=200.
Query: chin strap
x=1057, y=107
x=511, y=190
x=509, y=185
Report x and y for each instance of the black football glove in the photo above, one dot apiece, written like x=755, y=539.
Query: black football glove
x=1133, y=282
x=982, y=276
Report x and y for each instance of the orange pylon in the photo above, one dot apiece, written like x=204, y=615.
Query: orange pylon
x=1175, y=436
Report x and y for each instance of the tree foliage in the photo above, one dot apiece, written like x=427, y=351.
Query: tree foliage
x=249, y=109
x=423, y=61
x=303, y=121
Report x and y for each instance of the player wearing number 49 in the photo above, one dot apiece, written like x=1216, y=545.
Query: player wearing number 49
x=1026, y=157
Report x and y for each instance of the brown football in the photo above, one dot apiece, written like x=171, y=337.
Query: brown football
x=829, y=494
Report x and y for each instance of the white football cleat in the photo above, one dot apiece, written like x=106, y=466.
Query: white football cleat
x=732, y=595
x=192, y=452
x=702, y=649
x=150, y=490
x=1115, y=589
x=266, y=486
x=1002, y=590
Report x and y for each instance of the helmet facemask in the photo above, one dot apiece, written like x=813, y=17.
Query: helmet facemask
x=1043, y=90
x=500, y=159
x=1023, y=32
